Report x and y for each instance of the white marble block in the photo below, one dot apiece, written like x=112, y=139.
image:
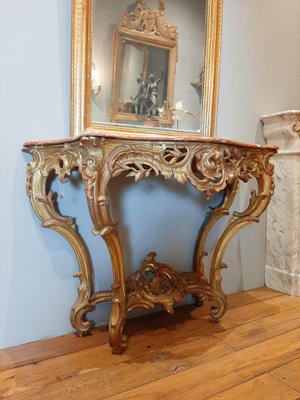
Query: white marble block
x=282, y=271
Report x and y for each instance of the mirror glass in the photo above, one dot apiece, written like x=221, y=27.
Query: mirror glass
x=151, y=81
x=144, y=79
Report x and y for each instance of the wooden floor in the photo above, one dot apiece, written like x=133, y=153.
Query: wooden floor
x=253, y=353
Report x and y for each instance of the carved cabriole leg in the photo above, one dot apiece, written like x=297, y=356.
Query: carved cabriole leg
x=212, y=216
x=258, y=203
x=61, y=161
x=109, y=233
x=97, y=180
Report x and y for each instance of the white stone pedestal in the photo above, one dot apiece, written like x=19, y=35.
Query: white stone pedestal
x=282, y=271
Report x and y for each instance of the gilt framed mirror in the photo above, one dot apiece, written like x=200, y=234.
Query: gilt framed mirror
x=145, y=66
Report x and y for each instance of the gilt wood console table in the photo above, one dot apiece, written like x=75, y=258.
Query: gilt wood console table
x=211, y=165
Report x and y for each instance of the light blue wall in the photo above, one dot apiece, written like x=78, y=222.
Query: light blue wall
x=36, y=265
x=260, y=74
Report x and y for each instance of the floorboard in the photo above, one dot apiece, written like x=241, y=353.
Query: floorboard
x=253, y=353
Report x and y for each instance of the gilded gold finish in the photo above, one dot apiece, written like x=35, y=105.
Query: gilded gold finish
x=61, y=160
x=212, y=67
x=211, y=165
x=82, y=17
x=166, y=286
x=149, y=22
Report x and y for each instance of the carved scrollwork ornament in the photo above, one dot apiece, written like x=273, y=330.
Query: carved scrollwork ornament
x=157, y=283
x=61, y=163
x=56, y=220
x=209, y=168
x=32, y=167
x=150, y=21
x=91, y=160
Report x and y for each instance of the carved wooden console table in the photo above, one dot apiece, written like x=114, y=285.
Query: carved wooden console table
x=211, y=165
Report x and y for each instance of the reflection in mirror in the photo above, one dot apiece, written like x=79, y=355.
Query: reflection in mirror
x=144, y=79
x=147, y=77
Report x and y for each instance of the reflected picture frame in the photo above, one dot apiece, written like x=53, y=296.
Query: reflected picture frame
x=81, y=76
x=127, y=34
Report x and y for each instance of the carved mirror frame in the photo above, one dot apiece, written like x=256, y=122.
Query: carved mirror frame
x=81, y=66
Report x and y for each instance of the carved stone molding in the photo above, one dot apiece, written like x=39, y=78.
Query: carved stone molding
x=282, y=130
x=282, y=271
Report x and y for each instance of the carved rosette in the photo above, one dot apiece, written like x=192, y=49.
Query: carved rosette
x=149, y=21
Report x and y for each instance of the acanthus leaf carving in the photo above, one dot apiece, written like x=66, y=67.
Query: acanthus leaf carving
x=62, y=163
x=248, y=168
x=209, y=168
x=56, y=219
x=135, y=164
x=175, y=155
x=157, y=283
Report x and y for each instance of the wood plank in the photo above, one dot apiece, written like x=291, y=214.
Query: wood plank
x=240, y=315
x=251, y=296
x=172, y=330
x=290, y=374
x=251, y=310
x=96, y=375
x=264, y=387
x=235, y=300
x=46, y=349
x=50, y=371
x=261, y=329
x=157, y=337
x=216, y=376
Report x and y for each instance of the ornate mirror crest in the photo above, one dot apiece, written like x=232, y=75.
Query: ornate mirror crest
x=133, y=67
x=149, y=21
